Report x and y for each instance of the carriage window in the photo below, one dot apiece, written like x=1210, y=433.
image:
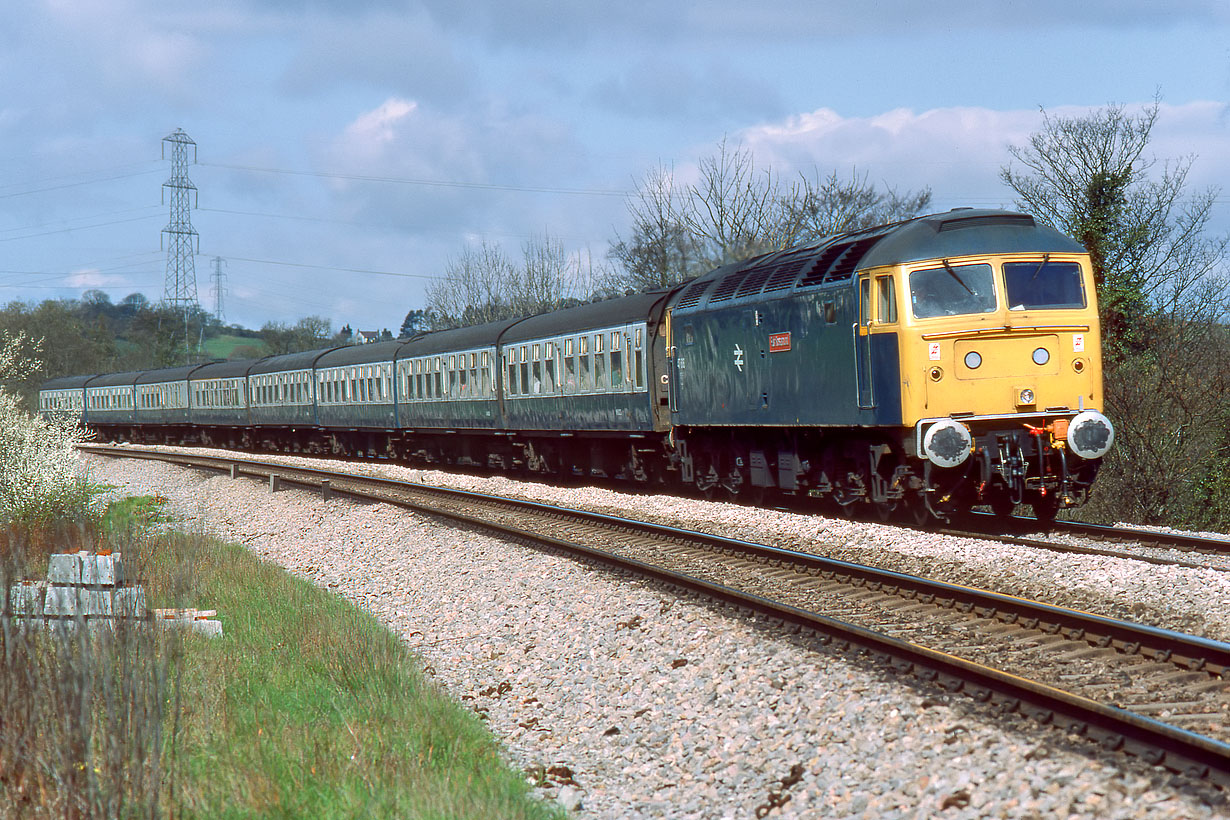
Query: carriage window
x=525, y=379
x=570, y=373
x=549, y=372
x=617, y=368
x=537, y=372
x=640, y=369
x=952, y=290
x=584, y=345
x=864, y=301
x=599, y=368
x=597, y=342
x=584, y=384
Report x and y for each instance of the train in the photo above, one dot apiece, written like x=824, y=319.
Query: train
x=921, y=368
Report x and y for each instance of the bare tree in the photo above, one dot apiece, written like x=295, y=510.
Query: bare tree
x=735, y=211
x=819, y=207
x=475, y=288
x=661, y=250
x=484, y=285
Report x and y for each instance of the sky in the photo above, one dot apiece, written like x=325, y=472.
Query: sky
x=347, y=150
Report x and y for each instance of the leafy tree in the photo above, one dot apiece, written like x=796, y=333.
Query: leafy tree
x=1162, y=295
x=309, y=333
x=416, y=321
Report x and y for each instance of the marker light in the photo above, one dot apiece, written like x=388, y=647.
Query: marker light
x=973, y=360
x=1026, y=397
x=1041, y=356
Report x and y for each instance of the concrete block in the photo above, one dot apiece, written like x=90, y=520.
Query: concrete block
x=64, y=568
x=105, y=570
x=26, y=598
x=207, y=627
x=129, y=602
x=64, y=601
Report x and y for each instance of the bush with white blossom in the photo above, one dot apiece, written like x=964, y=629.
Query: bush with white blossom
x=39, y=472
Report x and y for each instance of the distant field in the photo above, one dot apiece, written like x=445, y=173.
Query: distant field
x=224, y=346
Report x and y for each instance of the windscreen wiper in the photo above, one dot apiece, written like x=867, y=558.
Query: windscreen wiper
x=954, y=275
x=1046, y=258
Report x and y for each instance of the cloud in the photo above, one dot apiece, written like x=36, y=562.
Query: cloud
x=958, y=151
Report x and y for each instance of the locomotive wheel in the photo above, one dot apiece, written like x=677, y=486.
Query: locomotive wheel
x=1045, y=508
x=1002, y=504
x=886, y=510
x=914, y=509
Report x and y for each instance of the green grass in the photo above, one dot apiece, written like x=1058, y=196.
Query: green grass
x=134, y=514
x=307, y=707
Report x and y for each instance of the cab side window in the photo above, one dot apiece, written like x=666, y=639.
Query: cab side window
x=886, y=300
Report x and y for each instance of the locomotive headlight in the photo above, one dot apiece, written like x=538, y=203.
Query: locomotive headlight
x=1041, y=356
x=973, y=360
x=1026, y=396
x=947, y=443
x=1090, y=435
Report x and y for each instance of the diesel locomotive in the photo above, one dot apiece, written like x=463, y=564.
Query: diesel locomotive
x=923, y=367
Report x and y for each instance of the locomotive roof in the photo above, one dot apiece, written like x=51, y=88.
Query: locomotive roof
x=360, y=354
x=967, y=231
x=303, y=360
x=833, y=260
x=636, y=308
x=462, y=338
x=223, y=370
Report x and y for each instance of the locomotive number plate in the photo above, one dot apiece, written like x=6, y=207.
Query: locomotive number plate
x=779, y=342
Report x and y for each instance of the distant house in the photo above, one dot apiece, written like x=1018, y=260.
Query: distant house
x=364, y=336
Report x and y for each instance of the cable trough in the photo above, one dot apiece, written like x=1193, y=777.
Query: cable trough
x=1154, y=693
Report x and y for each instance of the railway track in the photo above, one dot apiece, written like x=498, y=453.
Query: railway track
x=1154, y=693
x=1153, y=547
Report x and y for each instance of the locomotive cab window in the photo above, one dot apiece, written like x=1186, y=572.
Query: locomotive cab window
x=1043, y=285
x=952, y=290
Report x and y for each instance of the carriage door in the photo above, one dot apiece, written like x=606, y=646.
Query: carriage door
x=862, y=345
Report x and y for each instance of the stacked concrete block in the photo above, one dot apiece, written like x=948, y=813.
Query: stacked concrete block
x=89, y=588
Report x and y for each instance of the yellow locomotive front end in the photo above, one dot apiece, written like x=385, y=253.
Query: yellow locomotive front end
x=1002, y=379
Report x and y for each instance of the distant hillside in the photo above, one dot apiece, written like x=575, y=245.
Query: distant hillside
x=226, y=346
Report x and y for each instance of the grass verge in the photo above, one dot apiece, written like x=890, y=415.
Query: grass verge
x=309, y=707
x=305, y=707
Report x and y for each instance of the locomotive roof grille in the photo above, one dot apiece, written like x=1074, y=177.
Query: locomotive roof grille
x=844, y=267
x=754, y=281
x=725, y=289
x=691, y=296
x=817, y=274
x=785, y=273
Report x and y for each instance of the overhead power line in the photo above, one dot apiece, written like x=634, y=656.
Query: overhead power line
x=434, y=183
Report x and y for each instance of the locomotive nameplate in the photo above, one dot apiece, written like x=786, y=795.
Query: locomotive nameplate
x=779, y=342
